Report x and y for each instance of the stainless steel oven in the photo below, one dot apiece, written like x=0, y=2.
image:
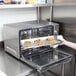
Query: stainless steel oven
x=15, y=32
x=38, y=56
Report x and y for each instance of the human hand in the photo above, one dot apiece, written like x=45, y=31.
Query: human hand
x=61, y=39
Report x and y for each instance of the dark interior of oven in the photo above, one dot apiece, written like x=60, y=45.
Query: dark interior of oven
x=36, y=32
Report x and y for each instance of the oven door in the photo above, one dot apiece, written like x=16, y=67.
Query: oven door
x=44, y=58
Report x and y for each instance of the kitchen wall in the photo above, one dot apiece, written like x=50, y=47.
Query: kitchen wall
x=60, y=12
x=64, y=11
x=22, y=14
x=15, y=15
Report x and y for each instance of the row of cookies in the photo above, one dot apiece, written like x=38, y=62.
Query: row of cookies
x=40, y=42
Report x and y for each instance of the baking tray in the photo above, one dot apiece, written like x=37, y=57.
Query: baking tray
x=36, y=44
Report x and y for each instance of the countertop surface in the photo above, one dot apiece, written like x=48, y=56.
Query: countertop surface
x=11, y=66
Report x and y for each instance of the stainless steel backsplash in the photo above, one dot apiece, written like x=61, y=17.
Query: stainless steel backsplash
x=67, y=28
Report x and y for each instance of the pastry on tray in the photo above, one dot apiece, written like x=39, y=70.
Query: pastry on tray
x=51, y=40
x=39, y=42
x=28, y=44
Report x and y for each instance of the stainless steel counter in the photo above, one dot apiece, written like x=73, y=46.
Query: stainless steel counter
x=11, y=66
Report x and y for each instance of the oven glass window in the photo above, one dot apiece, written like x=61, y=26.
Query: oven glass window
x=36, y=32
x=45, y=31
x=26, y=34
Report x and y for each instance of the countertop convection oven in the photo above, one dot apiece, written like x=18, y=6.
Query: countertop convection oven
x=18, y=39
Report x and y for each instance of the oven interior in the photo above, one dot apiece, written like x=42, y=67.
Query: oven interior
x=34, y=33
